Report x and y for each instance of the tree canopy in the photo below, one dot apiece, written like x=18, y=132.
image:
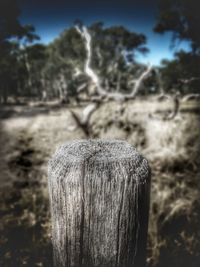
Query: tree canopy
x=28, y=68
x=182, y=17
x=12, y=35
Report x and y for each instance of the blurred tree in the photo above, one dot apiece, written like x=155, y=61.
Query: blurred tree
x=9, y=27
x=65, y=57
x=182, y=73
x=114, y=53
x=11, y=33
x=35, y=57
x=58, y=69
x=113, y=58
x=182, y=18
x=9, y=24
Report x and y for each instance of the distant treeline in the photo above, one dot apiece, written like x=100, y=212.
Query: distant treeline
x=31, y=69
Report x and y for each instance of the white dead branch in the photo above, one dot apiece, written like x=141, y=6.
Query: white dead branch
x=78, y=72
x=88, y=70
x=82, y=87
x=188, y=81
x=175, y=99
x=162, y=97
x=83, y=31
x=88, y=111
x=190, y=97
x=176, y=107
x=83, y=121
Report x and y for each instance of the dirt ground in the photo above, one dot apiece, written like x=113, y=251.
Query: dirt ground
x=29, y=134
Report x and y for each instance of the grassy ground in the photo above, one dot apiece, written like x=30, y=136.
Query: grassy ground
x=30, y=134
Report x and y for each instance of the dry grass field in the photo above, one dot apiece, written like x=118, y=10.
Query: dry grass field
x=30, y=134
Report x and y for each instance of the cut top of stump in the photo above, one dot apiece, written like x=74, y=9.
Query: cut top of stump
x=96, y=152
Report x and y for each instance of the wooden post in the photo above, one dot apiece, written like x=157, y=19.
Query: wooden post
x=99, y=196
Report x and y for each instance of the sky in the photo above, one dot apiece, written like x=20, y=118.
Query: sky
x=50, y=18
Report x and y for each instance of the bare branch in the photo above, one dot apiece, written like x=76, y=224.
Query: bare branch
x=176, y=107
x=176, y=103
x=81, y=87
x=78, y=72
x=88, y=111
x=139, y=81
x=83, y=122
x=95, y=79
x=187, y=81
x=190, y=97
x=163, y=96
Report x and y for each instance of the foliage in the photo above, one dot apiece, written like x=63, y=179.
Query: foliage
x=113, y=51
x=56, y=70
x=11, y=32
x=182, y=18
x=182, y=73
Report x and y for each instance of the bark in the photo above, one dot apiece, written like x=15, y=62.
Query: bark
x=99, y=195
x=28, y=68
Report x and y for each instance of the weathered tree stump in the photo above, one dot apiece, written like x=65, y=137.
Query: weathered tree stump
x=99, y=195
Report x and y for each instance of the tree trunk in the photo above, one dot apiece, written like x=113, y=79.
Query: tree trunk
x=5, y=96
x=99, y=196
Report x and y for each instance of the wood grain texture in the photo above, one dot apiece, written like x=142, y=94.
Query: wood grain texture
x=99, y=196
